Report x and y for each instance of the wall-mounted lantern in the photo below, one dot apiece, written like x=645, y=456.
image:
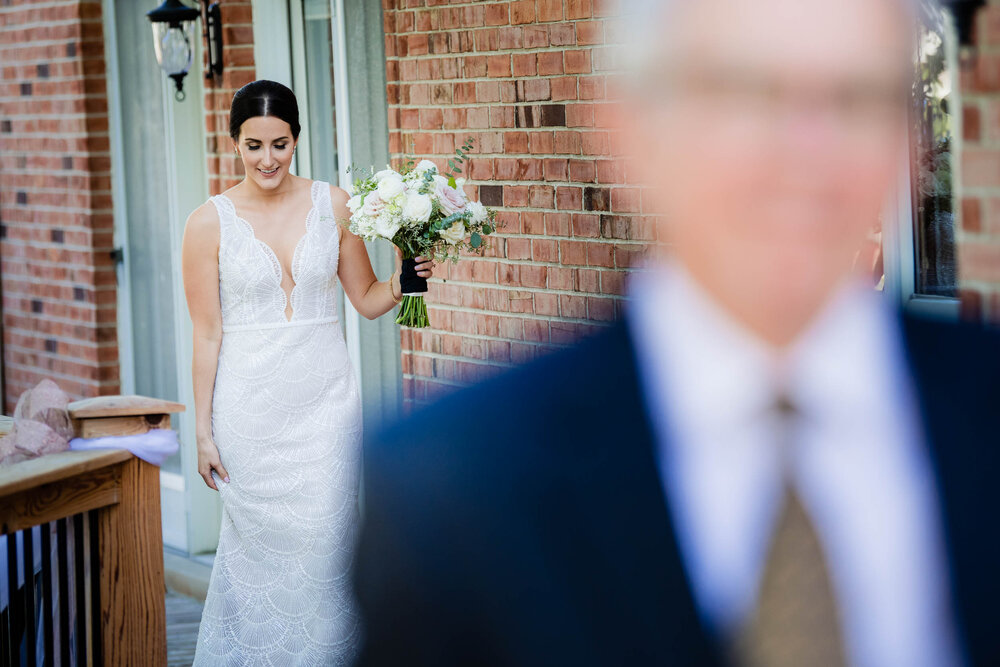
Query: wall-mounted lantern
x=173, y=39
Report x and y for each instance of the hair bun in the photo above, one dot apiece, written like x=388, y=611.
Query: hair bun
x=264, y=98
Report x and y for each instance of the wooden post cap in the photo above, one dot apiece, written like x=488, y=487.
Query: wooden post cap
x=122, y=406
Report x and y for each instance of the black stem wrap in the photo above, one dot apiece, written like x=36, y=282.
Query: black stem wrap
x=409, y=281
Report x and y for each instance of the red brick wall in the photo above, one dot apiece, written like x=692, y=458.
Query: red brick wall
x=979, y=236
x=224, y=168
x=58, y=279
x=527, y=80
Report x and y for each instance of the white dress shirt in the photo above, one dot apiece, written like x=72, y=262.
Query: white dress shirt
x=859, y=462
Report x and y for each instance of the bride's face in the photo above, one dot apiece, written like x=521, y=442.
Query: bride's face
x=266, y=147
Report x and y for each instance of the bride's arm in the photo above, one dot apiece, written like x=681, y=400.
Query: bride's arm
x=200, y=265
x=370, y=296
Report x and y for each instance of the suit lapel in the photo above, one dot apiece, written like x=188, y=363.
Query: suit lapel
x=624, y=520
x=956, y=370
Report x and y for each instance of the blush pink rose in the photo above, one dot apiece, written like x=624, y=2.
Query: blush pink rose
x=452, y=201
x=373, y=205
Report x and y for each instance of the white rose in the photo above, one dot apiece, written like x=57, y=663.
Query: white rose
x=478, y=212
x=354, y=203
x=417, y=207
x=387, y=225
x=460, y=183
x=455, y=233
x=425, y=166
x=390, y=188
x=387, y=173
x=365, y=227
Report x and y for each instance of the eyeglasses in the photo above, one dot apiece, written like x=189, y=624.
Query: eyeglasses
x=859, y=108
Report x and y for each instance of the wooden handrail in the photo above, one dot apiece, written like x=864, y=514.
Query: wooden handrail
x=124, y=491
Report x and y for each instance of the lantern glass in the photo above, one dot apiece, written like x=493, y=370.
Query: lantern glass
x=173, y=46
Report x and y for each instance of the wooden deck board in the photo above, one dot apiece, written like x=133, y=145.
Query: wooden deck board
x=183, y=617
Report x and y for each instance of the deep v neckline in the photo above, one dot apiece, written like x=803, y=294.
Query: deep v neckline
x=272, y=255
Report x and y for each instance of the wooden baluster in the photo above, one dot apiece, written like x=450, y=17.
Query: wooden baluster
x=48, y=636
x=130, y=538
x=95, y=588
x=63, y=599
x=79, y=598
x=14, y=609
x=28, y=566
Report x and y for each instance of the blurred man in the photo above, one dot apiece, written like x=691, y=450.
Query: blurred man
x=764, y=463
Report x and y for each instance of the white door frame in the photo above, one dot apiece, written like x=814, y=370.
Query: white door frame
x=282, y=58
x=190, y=511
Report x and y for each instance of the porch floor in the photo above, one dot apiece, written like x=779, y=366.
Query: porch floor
x=183, y=617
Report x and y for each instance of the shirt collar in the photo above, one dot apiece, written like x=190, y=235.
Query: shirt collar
x=716, y=370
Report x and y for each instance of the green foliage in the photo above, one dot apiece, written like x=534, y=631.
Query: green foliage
x=454, y=164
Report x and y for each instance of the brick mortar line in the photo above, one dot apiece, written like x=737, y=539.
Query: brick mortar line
x=540, y=156
x=94, y=325
x=553, y=265
x=471, y=360
x=35, y=23
x=34, y=78
x=60, y=60
x=450, y=383
x=514, y=50
x=51, y=373
x=51, y=245
x=601, y=101
x=576, y=46
x=60, y=172
x=55, y=355
x=75, y=154
x=457, y=5
x=59, y=98
x=523, y=316
x=90, y=344
x=40, y=5
x=490, y=339
x=16, y=47
x=72, y=341
x=539, y=290
x=58, y=209
x=484, y=79
x=42, y=263
x=18, y=279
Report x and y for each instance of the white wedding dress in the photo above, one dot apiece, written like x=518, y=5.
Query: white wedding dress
x=286, y=417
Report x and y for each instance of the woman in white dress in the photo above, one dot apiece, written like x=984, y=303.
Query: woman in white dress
x=277, y=408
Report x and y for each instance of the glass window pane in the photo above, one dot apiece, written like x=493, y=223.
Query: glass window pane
x=319, y=79
x=933, y=101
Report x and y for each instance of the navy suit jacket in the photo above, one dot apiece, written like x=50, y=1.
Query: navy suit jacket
x=523, y=521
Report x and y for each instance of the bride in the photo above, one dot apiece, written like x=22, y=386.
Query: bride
x=277, y=407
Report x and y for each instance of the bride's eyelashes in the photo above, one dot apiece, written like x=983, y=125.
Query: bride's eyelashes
x=279, y=147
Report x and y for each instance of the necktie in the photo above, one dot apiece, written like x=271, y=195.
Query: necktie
x=795, y=621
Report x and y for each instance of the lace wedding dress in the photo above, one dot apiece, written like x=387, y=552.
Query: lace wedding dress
x=286, y=417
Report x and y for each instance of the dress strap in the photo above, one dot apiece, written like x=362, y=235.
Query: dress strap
x=225, y=209
x=321, y=197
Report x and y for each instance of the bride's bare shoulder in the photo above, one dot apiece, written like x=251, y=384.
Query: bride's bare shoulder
x=338, y=197
x=204, y=218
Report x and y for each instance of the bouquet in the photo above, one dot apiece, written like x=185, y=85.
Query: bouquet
x=423, y=213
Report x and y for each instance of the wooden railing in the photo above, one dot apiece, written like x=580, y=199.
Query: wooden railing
x=95, y=517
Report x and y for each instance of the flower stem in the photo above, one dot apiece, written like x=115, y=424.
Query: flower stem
x=413, y=312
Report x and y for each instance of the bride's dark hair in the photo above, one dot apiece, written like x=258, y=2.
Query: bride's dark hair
x=264, y=98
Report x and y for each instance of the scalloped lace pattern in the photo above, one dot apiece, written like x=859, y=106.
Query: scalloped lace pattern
x=286, y=417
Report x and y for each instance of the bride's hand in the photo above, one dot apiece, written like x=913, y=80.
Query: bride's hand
x=423, y=265
x=208, y=460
